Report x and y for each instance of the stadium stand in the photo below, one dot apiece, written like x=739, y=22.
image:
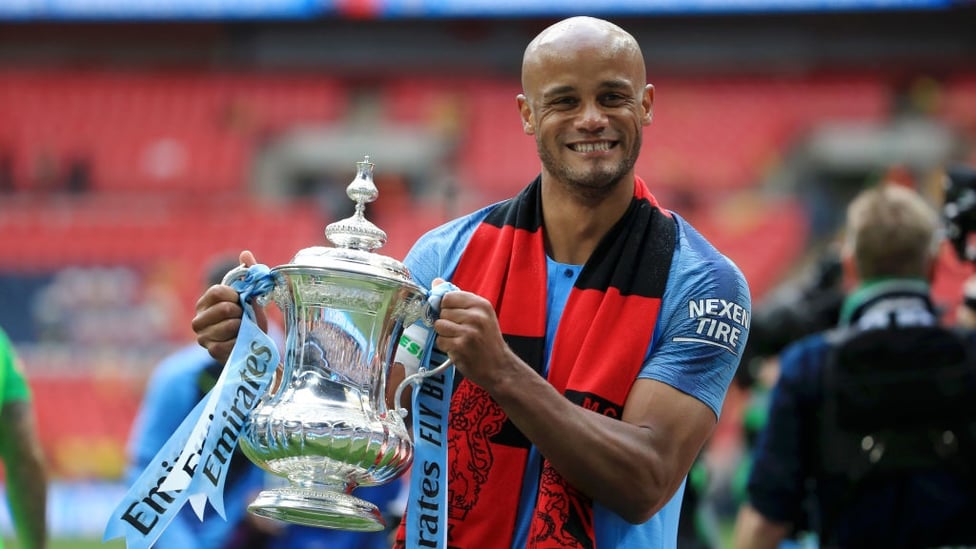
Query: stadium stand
x=131, y=152
x=167, y=153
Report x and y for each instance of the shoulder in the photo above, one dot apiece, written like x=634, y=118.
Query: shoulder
x=695, y=252
x=13, y=380
x=454, y=229
x=704, y=283
x=704, y=320
x=967, y=336
x=802, y=361
x=437, y=251
x=185, y=361
x=173, y=388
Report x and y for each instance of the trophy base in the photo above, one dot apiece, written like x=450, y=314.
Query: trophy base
x=321, y=508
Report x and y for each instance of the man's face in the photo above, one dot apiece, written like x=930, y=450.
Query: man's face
x=586, y=106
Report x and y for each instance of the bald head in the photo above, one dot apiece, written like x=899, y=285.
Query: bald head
x=565, y=39
x=585, y=98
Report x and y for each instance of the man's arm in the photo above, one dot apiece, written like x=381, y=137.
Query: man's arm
x=755, y=531
x=22, y=456
x=633, y=466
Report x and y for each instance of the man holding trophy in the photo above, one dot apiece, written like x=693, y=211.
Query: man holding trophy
x=591, y=338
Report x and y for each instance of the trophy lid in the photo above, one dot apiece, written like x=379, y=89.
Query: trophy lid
x=354, y=238
x=357, y=232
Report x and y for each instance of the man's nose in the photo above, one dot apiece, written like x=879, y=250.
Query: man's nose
x=592, y=117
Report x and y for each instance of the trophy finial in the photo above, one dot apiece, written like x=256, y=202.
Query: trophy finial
x=356, y=231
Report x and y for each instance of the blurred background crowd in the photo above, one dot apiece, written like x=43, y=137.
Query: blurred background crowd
x=140, y=139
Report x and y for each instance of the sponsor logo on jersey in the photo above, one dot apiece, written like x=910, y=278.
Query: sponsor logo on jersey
x=718, y=322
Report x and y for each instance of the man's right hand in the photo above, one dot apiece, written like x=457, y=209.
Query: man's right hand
x=218, y=317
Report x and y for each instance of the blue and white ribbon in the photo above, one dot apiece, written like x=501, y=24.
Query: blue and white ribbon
x=192, y=465
x=427, y=504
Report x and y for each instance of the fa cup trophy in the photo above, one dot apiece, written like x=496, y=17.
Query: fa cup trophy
x=326, y=428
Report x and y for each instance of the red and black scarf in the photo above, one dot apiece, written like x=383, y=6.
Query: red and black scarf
x=599, y=347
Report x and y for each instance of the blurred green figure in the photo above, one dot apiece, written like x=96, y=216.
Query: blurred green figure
x=20, y=450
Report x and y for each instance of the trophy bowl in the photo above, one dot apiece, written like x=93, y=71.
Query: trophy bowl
x=326, y=427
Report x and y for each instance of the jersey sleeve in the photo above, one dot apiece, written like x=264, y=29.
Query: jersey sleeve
x=703, y=323
x=437, y=253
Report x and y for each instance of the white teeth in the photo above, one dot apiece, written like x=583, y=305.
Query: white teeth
x=590, y=147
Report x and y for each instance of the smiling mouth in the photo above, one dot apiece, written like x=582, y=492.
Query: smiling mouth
x=600, y=146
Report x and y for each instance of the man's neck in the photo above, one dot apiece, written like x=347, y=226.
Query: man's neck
x=574, y=225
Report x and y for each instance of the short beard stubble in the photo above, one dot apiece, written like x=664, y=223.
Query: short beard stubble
x=595, y=184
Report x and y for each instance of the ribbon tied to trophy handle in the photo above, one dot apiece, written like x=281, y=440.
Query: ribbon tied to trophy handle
x=192, y=465
x=434, y=303
x=255, y=283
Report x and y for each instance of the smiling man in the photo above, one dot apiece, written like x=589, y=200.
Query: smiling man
x=594, y=334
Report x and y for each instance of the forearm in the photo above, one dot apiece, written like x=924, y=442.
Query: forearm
x=614, y=462
x=26, y=475
x=27, y=498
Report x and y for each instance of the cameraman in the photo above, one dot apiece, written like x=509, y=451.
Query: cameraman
x=873, y=422
x=959, y=213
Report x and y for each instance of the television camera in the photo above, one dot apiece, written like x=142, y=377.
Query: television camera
x=959, y=210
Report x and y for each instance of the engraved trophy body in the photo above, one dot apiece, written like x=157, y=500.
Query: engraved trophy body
x=326, y=428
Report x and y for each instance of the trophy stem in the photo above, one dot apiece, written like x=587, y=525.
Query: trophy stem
x=318, y=507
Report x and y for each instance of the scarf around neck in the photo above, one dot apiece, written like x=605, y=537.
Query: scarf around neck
x=600, y=344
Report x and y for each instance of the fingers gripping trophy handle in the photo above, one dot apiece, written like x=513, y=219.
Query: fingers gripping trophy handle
x=434, y=303
x=254, y=281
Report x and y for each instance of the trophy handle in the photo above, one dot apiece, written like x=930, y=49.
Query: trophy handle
x=416, y=378
x=240, y=273
x=434, y=307
x=234, y=274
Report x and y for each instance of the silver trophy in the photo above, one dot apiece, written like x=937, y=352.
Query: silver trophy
x=326, y=427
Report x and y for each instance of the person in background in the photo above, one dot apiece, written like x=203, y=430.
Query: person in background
x=177, y=384
x=871, y=433
x=800, y=307
x=966, y=311
x=21, y=452
x=594, y=333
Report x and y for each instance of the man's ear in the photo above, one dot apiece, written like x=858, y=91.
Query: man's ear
x=525, y=111
x=647, y=102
